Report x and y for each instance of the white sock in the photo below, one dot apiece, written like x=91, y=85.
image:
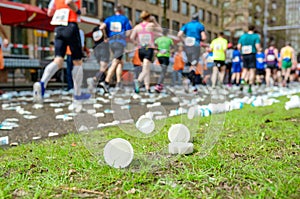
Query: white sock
x=49, y=71
x=77, y=74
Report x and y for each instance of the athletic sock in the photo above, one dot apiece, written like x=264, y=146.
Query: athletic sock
x=77, y=74
x=50, y=70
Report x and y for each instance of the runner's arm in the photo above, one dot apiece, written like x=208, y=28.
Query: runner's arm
x=73, y=6
x=5, y=40
x=51, y=8
x=203, y=36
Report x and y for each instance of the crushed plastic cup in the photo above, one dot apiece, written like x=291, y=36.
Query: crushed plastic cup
x=145, y=124
x=292, y=104
x=181, y=148
x=4, y=140
x=118, y=153
x=179, y=133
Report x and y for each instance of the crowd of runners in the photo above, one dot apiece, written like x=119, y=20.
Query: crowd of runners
x=193, y=60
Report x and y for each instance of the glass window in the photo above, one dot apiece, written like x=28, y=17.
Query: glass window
x=227, y=33
x=239, y=4
x=209, y=36
x=215, y=3
x=175, y=25
x=258, y=8
x=208, y=1
x=240, y=18
x=250, y=19
x=167, y=3
x=128, y=12
x=184, y=8
x=175, y=5
x=108, y=9
x=209, y=17
x=42, y=3
x=193, y=9
x=226, y=4
x=238, y=33
x=216, y=19
x=90, y=6
x=257, y=22
x=153, y=2
x=137, y=16
x=274, y=5
x=201, y=14
x=226, y=20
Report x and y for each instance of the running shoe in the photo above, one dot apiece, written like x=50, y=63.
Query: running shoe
x=243, y=82
x=136, y=86
x=90, y=84
x=83, y=96
x=158, y=88
x=249, y=90
x=38, y=91
x=105, y=87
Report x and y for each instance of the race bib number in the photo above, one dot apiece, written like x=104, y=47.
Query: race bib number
x=236, y=59
x=247, y=49
x=97, y=35
x=218, y=47
x=60, y=17
x=145, y=39
x=209, y=59
x=260, y=60
x=163, y=51
x=190, y=41
x=115, y=27
x=270, y=57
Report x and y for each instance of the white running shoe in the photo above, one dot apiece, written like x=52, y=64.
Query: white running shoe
x=90, y=85
x=37, y=92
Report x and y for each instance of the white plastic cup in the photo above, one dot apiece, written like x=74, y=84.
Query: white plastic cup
x=118, y=153
x=292, y=104
x=181, y=148
x=179, y=133
x=145, y=124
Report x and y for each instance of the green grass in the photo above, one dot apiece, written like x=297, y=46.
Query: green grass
x=256, y=156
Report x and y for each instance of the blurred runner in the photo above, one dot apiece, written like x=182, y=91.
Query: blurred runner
x=179, y=59
x=194, y=33
x=65, y=16
x=117, y=28
x=164, y=46
x=145, y=33
x=271, y=54
x=288, y=59
x=248, y=45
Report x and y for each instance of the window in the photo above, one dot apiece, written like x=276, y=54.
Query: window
x=227, y=33
x=175, y=5
x=19, y=36
x=128, y=12
x=215, y=3
x=208, y=1
x=201, y=14
x=274, y=5
x=258, y=8
x=238, y=33
x=184, y=8
x=209, y=36
x=167, y=25
x=240, y=18
x=226, y=4
x=250, y=19
x=193, y=9
x=257, y=22
x=90, y=6
x=42, y=3
x=155, y=2
x=216, y=19
x=108, y=9
x=226, y=20
x=137, y=16
x=209, y=17
x=175, y=25
x=167, y=3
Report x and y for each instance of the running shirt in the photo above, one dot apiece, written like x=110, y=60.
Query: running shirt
x=63, y=14
x=164, y=45
x=270, y=57
x=145, y=37
x=192, y=31
x=260, y=61
x=218, y=46
x=179, y=61
x=287, y=53
x=116, y=26
x=236, y=58
x=248, y=42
